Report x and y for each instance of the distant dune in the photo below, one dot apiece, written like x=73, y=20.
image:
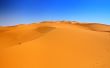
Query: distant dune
x=55, y=44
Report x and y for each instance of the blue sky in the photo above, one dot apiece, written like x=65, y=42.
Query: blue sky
x=28, y=11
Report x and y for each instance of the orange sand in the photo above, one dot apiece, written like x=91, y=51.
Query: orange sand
x=55, y=44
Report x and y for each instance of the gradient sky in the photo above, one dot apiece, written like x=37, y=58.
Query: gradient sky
x=28, y=11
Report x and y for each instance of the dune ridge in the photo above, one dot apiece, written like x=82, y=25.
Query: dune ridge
x=91, y=26
x=55, y=44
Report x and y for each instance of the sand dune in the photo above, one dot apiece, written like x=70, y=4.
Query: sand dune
x=55, y=44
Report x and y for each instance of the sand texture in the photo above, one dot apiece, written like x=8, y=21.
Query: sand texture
x=55, y=44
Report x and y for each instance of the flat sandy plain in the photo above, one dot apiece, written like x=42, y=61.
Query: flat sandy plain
x=55, y=44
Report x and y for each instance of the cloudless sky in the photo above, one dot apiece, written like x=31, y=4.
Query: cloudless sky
x=28, y=11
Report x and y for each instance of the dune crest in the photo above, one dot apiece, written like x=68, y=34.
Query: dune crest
x=55, y=44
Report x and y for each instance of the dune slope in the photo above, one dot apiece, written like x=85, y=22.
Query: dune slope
x=55, y=45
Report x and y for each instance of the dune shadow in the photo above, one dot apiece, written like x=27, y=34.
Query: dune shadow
x=42, y=30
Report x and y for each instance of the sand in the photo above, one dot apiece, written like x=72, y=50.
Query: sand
x=55, y=44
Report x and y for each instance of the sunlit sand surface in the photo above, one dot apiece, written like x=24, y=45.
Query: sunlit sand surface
x=55, y=44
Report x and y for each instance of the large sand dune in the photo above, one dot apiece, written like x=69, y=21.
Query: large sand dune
x=55, y=44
